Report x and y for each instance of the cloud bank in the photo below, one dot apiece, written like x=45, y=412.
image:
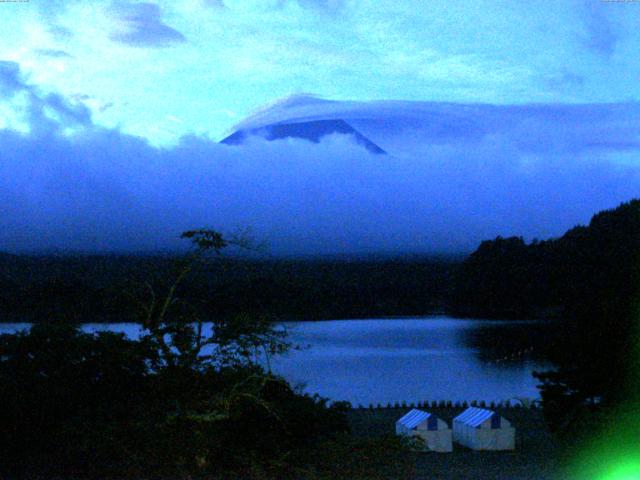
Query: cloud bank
x=140, y=25
x=68, y=184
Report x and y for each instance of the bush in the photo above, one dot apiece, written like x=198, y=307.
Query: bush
x=89, y=404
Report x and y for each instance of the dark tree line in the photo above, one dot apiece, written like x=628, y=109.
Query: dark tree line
x=98, y=287
x=506, y=278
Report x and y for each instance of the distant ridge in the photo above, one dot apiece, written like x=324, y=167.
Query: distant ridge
x=312, y=131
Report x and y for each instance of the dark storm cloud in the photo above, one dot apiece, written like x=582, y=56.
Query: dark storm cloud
x=142, y=26
x=535, y=172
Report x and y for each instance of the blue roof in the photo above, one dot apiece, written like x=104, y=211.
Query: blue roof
x=414, y=418
x=474, y=416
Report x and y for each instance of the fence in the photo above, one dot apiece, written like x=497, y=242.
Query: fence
x=525, y=403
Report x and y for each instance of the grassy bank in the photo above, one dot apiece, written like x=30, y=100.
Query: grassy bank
x=535, y=456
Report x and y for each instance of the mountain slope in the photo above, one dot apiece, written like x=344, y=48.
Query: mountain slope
x=313, y=131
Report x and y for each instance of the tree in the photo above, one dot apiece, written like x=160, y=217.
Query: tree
x=597, y=359
x=176, y=327
x=68, y=395
x=181, y=400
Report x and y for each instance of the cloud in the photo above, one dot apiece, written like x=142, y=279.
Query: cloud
x=214, y=3
x=53, y=53
x=68, y=112
x=409, y=128
x=104, y=190
x=481, y=171
x=60, y=32
x=140, y=25
x=52, y=11
x=53, y=8
x=602, y=35
x=92, y=102
x=10, y=81
x=323, y=5
x=564, y=81
x=44, y=112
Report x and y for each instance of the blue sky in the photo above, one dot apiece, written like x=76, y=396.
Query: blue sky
x=166, y=68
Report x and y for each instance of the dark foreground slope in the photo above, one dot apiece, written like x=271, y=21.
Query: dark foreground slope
x=535, y=456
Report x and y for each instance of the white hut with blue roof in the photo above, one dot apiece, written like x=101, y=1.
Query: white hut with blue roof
x=481, y=429
x=435, y=432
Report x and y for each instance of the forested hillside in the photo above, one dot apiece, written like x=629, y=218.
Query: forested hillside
x=591, y=277
x=508, y=278
x=108, y=287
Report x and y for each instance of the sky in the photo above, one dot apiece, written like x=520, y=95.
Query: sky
x=167, y=68
x=500, y=118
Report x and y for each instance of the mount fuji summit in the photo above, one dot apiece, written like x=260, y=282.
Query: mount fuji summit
x=266, y=124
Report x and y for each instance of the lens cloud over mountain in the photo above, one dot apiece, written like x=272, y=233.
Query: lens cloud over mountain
x=453, y=175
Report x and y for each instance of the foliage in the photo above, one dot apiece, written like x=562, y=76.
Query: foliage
x=91, y=404
x=175, y=326
x=597, y=364
x=102, y=287
x=180, y=401
x=591, y=277
x=66, y=396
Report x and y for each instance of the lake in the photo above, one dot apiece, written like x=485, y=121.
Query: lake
x=406, y=359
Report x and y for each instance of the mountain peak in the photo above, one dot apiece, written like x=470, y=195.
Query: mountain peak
x=313, y=131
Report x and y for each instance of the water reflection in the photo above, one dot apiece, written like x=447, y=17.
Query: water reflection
x=440, y=358
x=409, y=359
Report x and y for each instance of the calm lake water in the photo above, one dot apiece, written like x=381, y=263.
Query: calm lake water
x=408, y=359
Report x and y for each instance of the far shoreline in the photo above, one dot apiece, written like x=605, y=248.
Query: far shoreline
x=421, y=317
